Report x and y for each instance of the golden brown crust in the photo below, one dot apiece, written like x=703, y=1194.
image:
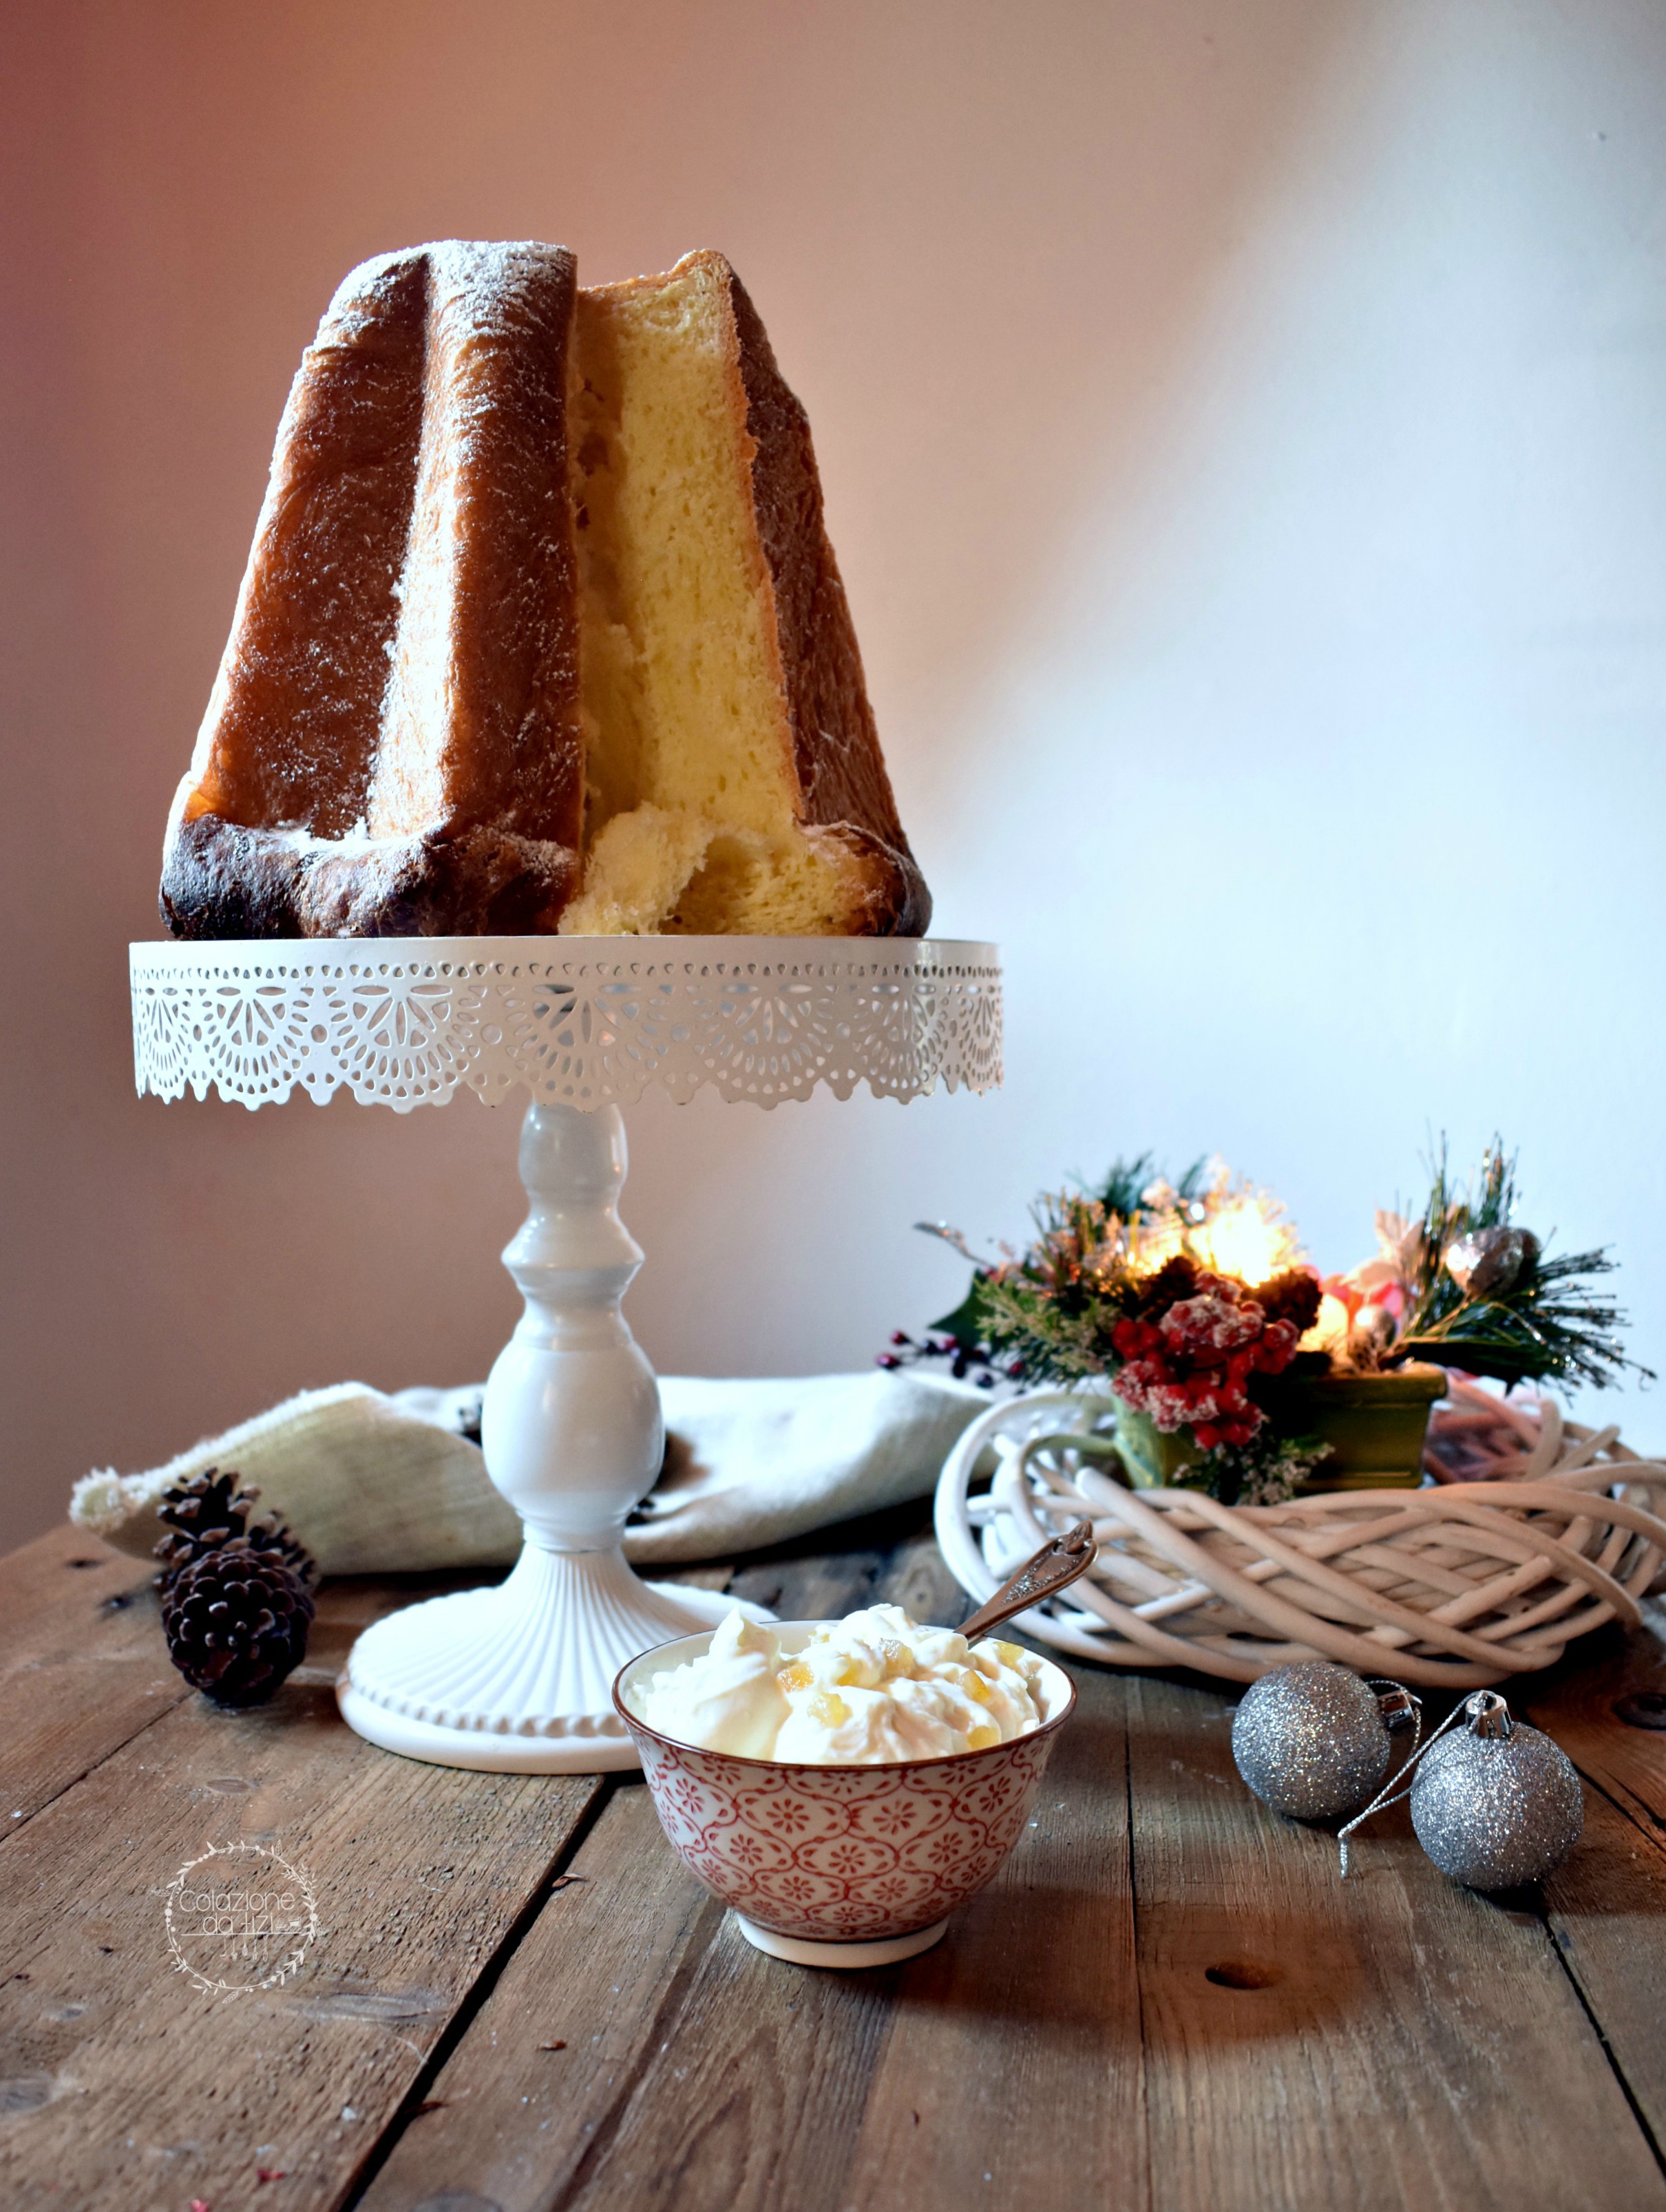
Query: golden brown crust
x=487, y=657
x=403, y=662
x=291, y=728
x=840, y=768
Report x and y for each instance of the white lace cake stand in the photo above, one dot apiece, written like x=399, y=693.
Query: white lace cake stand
x=517, y=1679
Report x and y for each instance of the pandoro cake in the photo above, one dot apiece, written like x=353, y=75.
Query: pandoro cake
x=541, y=630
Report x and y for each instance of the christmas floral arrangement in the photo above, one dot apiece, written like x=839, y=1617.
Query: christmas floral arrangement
x=1194, y=1303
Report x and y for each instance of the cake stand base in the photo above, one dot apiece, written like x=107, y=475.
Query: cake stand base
x=518, y=1680
x=885, y=1952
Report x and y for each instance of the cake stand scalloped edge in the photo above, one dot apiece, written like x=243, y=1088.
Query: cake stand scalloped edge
x=585, y=1022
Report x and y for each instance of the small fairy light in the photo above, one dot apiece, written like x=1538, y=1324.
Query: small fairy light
x=1154, y=1239
x=1331, y=1330
x=1238, y=1232
x=1245, y=1238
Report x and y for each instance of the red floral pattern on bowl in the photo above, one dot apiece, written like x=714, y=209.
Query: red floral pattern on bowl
x=841, y=1854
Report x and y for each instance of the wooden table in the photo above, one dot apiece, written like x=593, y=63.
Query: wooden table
x=518, y=1998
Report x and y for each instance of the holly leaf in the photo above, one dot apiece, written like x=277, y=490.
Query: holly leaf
x=968, y=1324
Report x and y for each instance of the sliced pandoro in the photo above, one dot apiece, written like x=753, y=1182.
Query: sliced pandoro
x=733, y=779
x=540, y=628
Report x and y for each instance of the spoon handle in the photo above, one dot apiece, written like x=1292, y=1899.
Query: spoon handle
x=1054, y=1566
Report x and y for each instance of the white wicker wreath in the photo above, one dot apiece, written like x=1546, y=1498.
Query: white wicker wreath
x=1457, y=1586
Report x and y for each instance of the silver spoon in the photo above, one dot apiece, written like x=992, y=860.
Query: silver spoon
x=1055, y=1566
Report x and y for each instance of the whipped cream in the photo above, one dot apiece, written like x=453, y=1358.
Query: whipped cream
x=874, y=1686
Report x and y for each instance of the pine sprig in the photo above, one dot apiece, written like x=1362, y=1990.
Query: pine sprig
x=1023, y=1320
x=1123, y=1189
x=1548, y=1324
x=1054, y=1308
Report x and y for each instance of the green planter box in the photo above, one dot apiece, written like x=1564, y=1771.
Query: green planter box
x=1152, y=1460
x=1375, y=1425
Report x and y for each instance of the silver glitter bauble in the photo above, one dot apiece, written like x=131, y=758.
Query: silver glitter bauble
x=1376, y=1325
x=1490, y=1259
x=1310, y=1739
x=1496, y=1803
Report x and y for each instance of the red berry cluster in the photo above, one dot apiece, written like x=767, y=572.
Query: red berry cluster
x=1190, y=1367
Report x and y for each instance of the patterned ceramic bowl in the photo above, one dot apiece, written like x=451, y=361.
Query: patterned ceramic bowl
x=848, y=1866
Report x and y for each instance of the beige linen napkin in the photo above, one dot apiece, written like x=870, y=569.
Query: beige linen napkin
x=377, y=1485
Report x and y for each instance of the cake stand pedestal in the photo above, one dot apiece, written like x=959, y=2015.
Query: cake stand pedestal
x=516, y=1679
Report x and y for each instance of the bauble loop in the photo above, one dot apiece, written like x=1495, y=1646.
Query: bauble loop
x=1310, y=1740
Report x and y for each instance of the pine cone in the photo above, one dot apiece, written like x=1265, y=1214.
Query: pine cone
x=210, y=1511
x=236, y=1619
x=1293, y=1297
x=235, y=1591
x=207, y=1510
x=1175, y=1279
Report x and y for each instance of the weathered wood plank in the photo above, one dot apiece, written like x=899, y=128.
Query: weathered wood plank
x=50, y=1574
x=84, y=1668
x=1607, y=1911
x=558, y=2045
x=1585, y=1705
x=1012, y=2075
x=1390, y=2041
x=82, y=1665
x=801, y=1584
x=751, y=2097
x=139, y=2090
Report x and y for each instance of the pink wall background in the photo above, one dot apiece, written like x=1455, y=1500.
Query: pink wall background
x=1241, y=430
